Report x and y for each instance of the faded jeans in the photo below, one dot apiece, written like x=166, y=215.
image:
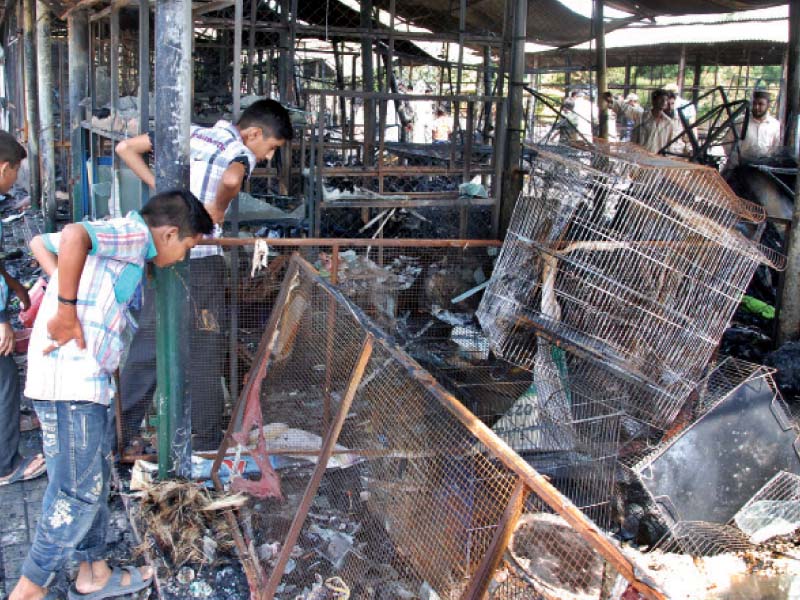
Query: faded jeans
x=76, y=438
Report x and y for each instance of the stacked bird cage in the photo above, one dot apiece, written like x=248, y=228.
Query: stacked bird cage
x=630, y=261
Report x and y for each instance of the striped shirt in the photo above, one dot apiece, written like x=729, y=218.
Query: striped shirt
x=111, y=275
x=212, y=150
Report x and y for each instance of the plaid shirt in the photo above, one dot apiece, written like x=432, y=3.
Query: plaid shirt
x=110, y=278
x=212, y=151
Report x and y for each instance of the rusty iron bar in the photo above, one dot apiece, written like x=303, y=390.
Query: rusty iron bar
x=331, y=323
x=360, y=242
x=264, y=354
x=479, y=584
x=252, y=567
x=313, y=485
x=352, y=33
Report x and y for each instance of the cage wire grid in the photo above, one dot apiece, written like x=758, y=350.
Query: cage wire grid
x=575, y=446
x=412, y=452
x=701, y=538
x=612, y=257
x=398, y=283
x=774, y=510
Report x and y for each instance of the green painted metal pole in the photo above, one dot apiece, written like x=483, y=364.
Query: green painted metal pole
x=173, y=84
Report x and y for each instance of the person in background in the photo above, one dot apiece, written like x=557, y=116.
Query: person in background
x=442, y=126
x=652, y=128
x=762, y=137
x=567, y=126
x=625, y=124
x=586, y=111
x=611, y=116
x=222, y=158
x=681, y=145
x=13, y=466
x=689, y=110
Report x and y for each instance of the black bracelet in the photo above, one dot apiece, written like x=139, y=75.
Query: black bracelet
x=73, y=302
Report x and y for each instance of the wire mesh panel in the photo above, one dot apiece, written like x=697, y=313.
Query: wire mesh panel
x=632, y=258
x=570, y=433
x=400, y=284
x=773, y=511
x=364, y=461
x=699, y=514
x=698, y=538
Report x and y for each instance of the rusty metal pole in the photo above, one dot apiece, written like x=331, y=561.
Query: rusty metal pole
x=512, y=177
x=233, y=334
x=144, y=80
x=487, y=91
x=31, y=94
x=698, y=72
x=792, y=77
x=78, y=60
x=789, y=318
x=173, y=79
x=368, y=80
x=602, y=69
x=251, y=49
x=47, y=132
x=626, y=89
x=682, y=70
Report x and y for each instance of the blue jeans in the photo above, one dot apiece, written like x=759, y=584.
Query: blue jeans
x=76, y=437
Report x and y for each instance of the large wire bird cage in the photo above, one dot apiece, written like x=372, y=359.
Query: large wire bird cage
x=418, y=482
x=634, y=260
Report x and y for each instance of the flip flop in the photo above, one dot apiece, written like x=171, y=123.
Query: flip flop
x=114, y=587
x=19, y=472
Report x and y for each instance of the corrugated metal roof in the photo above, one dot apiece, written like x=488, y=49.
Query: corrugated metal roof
x=736, y=31
x=689, y=7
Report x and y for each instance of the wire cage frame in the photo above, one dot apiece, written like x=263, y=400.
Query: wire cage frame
x=777, y=499
x=387, y=445
x=396, y=282
x=567, y=427
x=636, y=260
x=699, y=538
x=773, y=511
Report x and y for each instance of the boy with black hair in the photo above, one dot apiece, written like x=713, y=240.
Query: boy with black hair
x=13, y=466
x=222, y=157
x=76, y=345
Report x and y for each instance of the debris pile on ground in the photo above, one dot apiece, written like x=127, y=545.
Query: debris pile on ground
x=185, y=520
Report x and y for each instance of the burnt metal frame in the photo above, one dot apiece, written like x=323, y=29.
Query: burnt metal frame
x=731, y=110
x=335, y=245
x=526, y=474
x=381, y=170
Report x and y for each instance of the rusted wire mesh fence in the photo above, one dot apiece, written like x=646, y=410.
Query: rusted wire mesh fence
x=401, y=284
x=387, y=468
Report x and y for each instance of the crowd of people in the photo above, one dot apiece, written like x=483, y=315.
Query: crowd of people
x=660, y=128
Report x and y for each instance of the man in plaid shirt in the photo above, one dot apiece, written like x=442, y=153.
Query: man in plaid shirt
x=222, y=157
